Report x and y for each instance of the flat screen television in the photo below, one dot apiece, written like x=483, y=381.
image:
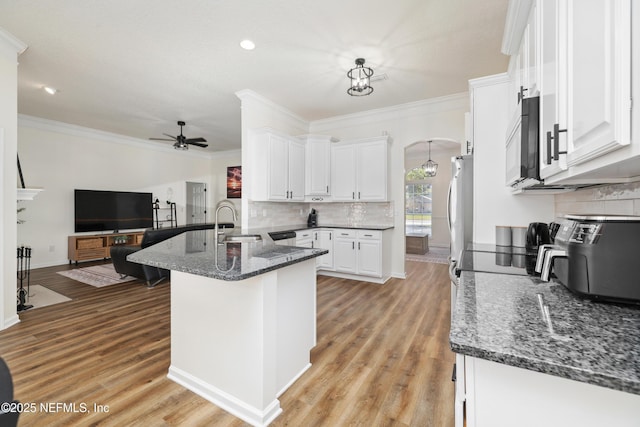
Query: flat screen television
x=97, y=210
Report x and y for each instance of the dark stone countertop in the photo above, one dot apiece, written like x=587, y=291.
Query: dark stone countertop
x=501, y=318
x=195, y=252
x=299, y=227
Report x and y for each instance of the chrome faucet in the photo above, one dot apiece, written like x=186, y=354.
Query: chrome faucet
x=219, y=206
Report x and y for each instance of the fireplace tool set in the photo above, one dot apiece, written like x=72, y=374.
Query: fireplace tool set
x=24, y=273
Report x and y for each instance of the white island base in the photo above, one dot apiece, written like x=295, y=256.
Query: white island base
x=241, y=344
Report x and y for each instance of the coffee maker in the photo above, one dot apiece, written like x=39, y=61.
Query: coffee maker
x=312, y=220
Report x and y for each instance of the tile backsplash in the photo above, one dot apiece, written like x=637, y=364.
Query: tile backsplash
x=273, y=214
x=616, y=199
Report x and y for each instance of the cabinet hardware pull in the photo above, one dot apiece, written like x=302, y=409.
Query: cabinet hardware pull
x=358, y=245
x=521, y=93
x=556, y=141
x=353, y=245
x=549, y=138
x=353, y=195
x=327, y=189
x=368, y=235
x=358, y=195
x=330, y=236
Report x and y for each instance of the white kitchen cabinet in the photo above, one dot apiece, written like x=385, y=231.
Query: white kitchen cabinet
x=323, y=239
x=586, y=92
x=524, y=70
x=498, y=395
x=553, y=88
x=277, y=163
x=304, y=238
x=318, y=166
x=369, y=253
x=358, y=252
x=359, y=170
x=344, y=251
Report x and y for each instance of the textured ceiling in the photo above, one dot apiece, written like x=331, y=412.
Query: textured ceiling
x=136, y=67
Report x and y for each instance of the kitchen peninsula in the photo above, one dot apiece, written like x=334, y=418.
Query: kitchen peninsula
x=243, y=317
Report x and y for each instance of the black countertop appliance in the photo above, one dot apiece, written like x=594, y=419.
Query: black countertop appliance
x=312, y=220
x=597, y=256
x=537, y=234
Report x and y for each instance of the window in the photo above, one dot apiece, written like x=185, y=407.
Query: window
x=418, y=203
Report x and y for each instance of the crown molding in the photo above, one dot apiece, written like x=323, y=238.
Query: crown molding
x=517, y=17
x=99, y=135
x=13, y=42
x=488, y=80
x=250, y=95
x=432, y=105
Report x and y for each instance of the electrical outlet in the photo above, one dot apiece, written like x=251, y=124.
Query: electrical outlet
x=52, y=248
x=264, y=212
x=254, y=213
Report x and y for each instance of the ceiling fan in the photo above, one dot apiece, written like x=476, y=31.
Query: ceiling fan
x=181, y=142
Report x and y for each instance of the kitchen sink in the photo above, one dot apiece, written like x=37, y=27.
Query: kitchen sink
x=243, y=238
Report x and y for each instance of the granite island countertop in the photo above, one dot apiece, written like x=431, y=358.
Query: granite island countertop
x=299, y=227
x=195, y=252
x=502, y=318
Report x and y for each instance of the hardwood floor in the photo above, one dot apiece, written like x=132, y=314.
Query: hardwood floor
x=382, y=357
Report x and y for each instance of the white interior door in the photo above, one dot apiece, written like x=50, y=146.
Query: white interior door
x=196, y=203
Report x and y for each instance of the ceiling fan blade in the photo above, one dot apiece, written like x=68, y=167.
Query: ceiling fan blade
x=161, y=139
x=170, y=136
x=197, y=144
x=196, y=140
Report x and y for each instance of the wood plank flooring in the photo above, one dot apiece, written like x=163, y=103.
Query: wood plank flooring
x=382, y=357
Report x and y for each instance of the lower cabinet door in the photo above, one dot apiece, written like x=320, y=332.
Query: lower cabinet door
x=369, y=257
x=344, y=259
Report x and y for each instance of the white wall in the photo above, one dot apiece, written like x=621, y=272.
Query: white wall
x=10, y=48
x=439, y=118
x=494, y=204
x=61, y=157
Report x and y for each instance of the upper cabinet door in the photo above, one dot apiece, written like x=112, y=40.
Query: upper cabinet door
x=343, y=173
x=553, y=89
x=296, y=161
x=599, y=69
x=318, y=167
x=371, y=170
x=277, y=172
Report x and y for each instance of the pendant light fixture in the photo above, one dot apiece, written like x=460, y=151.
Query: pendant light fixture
x=430, y=167
x=360, y=83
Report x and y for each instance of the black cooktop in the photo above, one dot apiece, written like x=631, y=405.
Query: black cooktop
x=498, y=259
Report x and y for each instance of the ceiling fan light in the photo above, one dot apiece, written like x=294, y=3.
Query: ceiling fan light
x=50, y=90
x=180, y=145
x=360, y=77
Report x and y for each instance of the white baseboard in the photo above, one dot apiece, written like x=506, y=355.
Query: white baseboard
x=229, y=403
x=293, y=380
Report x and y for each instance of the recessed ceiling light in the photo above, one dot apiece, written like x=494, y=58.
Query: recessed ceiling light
x=50, y=90
x=247, y=44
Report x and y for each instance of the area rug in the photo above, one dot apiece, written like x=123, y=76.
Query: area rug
x=96, y=275
x=435, y=255
x=39, y=296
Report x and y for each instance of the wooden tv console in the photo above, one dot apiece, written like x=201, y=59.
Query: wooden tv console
x=88, y=247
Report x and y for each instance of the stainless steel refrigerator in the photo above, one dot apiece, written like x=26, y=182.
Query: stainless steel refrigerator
x=459, y=214
x=460, y=218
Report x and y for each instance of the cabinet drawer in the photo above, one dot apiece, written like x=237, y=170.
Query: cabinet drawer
x=91, y=253
x=369, y=234
x=304, y=234
x=89, y=243
x=345, y=233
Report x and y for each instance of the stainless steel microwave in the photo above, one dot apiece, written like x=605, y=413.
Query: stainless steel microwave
x=523, y=145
